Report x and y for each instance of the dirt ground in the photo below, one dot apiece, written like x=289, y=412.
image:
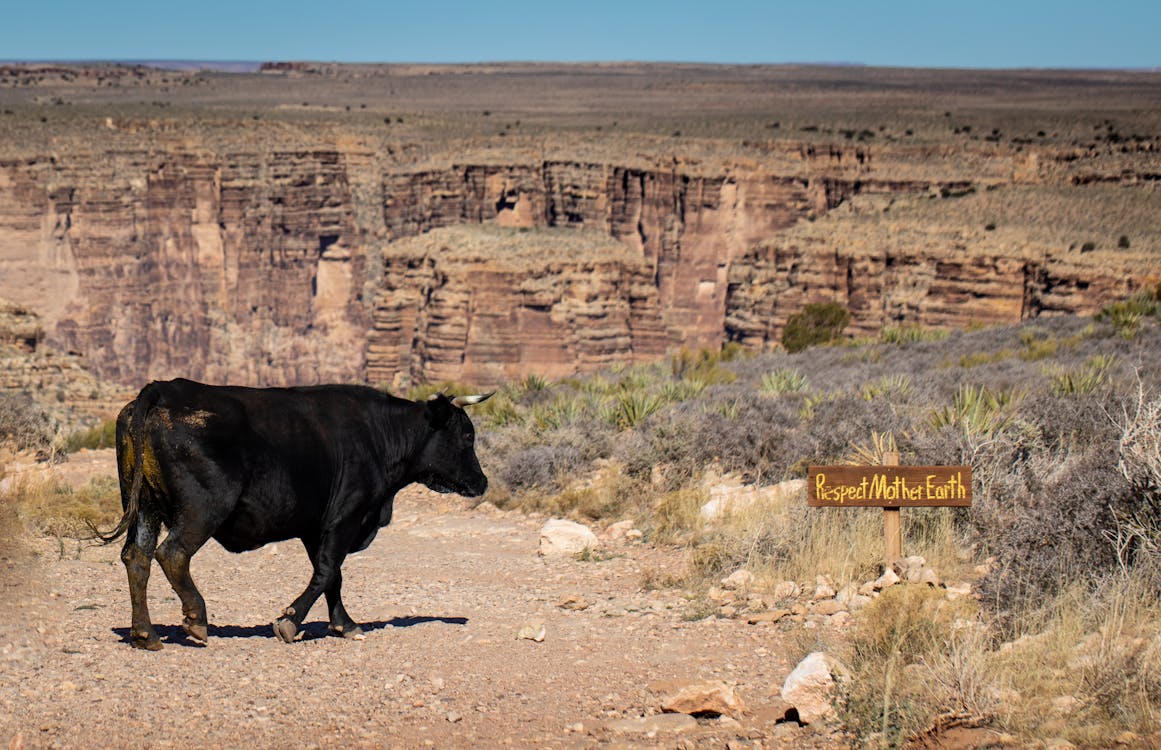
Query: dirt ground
x=442, y=594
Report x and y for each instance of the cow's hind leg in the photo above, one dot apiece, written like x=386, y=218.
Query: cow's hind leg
x=137, y=554
x=174, y=555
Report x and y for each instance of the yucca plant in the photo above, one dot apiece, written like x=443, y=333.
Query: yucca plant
x=893, y=386
x=631, y=408
x=978, y=410
x=782, y=381
x=1093, y=376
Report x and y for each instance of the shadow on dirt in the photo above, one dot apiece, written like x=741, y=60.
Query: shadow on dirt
x=173, y=634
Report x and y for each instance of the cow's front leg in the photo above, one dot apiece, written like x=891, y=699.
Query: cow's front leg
x=327, y=577
x=341, y=622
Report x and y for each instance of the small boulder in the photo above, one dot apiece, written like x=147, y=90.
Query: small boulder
x=827, y=607
x=574, y=602
x=619, y=529
x=822, y=589
x=786, y=590
x=560, y=537
x=703, y=697
x=533, y=630
x=889, y=578
x=739, y=579
x=810, y=688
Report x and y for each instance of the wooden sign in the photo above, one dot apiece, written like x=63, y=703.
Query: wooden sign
x=888, y=486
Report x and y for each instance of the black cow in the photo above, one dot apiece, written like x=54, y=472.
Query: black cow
x=248, y=466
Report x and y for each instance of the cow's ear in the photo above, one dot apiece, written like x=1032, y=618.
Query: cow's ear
x=439, y=410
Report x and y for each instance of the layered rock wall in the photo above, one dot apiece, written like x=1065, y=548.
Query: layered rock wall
x=249, y=263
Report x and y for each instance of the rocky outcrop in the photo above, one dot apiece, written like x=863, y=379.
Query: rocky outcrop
x=474, y=306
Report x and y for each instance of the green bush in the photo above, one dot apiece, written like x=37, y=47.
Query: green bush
x=816, y=324
x=103, y=435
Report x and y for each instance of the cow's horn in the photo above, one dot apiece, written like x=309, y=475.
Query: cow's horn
x=462, y=401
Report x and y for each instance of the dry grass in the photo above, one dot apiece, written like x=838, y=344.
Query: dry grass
x=913, y=656
x=1090, y=669
x=50, y=507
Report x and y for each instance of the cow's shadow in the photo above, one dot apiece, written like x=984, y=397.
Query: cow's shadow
x=174, y=634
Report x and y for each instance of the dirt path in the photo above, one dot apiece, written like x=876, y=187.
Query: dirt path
x=442, y=593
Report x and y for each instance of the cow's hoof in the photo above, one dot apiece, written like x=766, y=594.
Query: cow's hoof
x=199, y=632
x=350, y=632
x=147, y=641
x=286, y=630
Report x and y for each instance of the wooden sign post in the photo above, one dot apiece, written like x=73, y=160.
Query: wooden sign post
x=889, y=487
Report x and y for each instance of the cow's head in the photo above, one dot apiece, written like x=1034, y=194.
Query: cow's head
x=448, y=460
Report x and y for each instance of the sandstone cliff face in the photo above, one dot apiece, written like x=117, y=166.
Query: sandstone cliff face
x=241, y=262
x=455, y=305
x=242, y=268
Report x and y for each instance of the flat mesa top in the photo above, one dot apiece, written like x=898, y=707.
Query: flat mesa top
x=889, y=486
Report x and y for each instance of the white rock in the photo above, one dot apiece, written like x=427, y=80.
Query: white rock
x=786, y=590
x=730, y=497
x=739, y=579
x=560, y=537
x=822, y=590
x=533, y=630
x=809, y=688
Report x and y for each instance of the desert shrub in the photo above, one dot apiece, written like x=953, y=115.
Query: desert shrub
x=906, y=334
x=103, y=435
x=1098, y=647
x=1127, y=315
x=896, y=387
x=540, y=466
x=978, y=410
x=704, y=365
x=25, y=423
x=630, y=408
x=816, y=324
x=1062, y=515
x=54, y=508
x=837, y=424
x=608, y=495
x=1093, y=376
x=912, y=656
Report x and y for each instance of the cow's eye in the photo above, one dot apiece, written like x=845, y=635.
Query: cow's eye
x=469, y=437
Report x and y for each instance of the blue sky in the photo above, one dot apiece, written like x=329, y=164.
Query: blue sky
x=929, y=33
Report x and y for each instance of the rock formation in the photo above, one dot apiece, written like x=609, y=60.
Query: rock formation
x=268, y=251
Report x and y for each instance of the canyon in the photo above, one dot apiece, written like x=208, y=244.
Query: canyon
x=186, y=226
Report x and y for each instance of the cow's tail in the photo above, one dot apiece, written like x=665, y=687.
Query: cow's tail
x=136, y=437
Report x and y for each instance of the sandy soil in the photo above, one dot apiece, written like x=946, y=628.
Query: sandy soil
x=442, y=594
